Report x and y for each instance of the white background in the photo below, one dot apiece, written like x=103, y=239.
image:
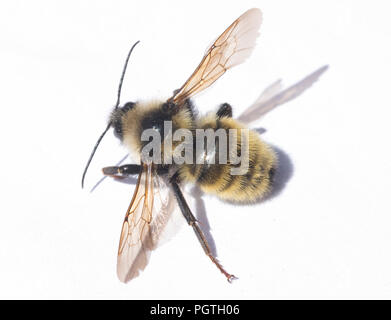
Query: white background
x=325, y=234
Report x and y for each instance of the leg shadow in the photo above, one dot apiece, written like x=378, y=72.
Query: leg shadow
x=200, y=212
x=129, y=180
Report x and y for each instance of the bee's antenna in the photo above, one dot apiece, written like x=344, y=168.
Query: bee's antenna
x=123, y=74
x=116, y=106
x=93, y=152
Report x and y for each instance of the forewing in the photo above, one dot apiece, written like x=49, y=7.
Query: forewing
x=145, y=220
x=231, y=48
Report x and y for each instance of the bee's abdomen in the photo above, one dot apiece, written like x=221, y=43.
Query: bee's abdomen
x=252, y=183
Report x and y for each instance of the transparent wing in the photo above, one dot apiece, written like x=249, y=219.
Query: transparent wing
x=145, y=221
x=231, y=48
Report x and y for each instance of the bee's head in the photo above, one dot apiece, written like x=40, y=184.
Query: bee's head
x=117, y=116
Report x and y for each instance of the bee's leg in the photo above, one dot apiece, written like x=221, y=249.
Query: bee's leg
x=192, y=221
x=122, y=171
x=225, y=110
x=191, y=108
x=187, y=104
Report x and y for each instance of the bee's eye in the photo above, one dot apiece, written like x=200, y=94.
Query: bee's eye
x=118, y=129
x=127, y=106
x=116, y=118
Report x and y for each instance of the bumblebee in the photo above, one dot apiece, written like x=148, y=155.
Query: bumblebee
x=159, y=185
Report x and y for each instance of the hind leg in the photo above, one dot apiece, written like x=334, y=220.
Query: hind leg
x=192, y=221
